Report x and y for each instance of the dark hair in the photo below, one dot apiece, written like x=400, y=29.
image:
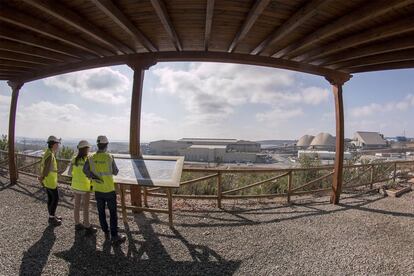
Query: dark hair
x=50, y=144
x=102, y=146
x=83, y=152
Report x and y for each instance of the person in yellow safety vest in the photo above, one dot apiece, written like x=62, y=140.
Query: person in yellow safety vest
x=100, y=168
x=49, y=178
x=81, y=186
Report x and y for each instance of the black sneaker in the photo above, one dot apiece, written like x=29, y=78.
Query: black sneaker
x=90, y=230
x=54, y=221
x=118, y=239
x=58, y=217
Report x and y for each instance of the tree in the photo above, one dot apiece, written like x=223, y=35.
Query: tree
x=65, y=153
x=3, y=142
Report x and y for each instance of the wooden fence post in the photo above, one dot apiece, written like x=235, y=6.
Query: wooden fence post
x=219, y=190
x=371, y=178
x=395, y=172
x=289, y=191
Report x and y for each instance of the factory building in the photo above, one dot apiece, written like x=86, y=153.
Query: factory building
x=368, y=140
x=209, y=150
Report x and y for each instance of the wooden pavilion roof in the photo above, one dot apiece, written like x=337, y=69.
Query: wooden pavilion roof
x=331, y=38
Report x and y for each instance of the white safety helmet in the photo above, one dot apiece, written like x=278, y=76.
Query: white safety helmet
x=83, y=144
x=102, y=139
x=53, y=139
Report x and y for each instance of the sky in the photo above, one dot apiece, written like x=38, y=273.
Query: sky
x=212, y=100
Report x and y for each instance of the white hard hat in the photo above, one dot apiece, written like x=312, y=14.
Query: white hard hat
x=83, y=144
x=53, y=139
x=102, y=139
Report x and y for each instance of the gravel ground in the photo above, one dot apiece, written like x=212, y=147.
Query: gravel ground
x=365, y=235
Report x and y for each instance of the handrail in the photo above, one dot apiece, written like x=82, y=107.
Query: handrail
x=255, y=184
x=313, y=181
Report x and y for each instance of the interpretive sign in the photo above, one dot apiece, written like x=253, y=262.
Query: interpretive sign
x=150, y=170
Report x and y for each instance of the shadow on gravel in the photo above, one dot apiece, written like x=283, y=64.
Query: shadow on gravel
x=36, y=257
x=144, y=253
x=295, y=211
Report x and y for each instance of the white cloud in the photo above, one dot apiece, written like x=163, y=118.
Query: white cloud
x=375, y=108
x=279, y=114
x=211, y=92
x=68, y=120
x=100, y=85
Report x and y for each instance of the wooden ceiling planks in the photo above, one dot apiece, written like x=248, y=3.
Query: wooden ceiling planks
x=39, y=36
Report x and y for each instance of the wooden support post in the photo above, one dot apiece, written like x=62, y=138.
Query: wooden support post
x=219, y=190
x=139, y=68
x=12, y=126
x=289, y=191
x=339, y=156
x=170, y=210
x=123, y=207
x=371, y=178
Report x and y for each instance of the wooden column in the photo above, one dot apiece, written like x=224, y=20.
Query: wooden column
x=12, y=126
x=339, y=156
x=135, y=121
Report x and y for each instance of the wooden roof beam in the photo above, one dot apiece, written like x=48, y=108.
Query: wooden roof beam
x=24, y=58
x=53, y=47
x=113, y=12
x=64, y=14
x=209, y=23
x=297, y=19
x=15, y=47
x=13, y=70
x=371, y=10
x=398, y=56
x=200, y=56
x=165, y=19
x=385, y=66
x=254, y=13
x=335, y=60
x=15, y=17
x=395, y=28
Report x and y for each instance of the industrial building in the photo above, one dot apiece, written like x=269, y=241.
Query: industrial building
x=369, y=140
x=209, y=150
x=322, y=141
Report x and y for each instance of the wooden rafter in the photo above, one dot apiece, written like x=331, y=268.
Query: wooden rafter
x=302, y=15
x=9, y=69
x=371, y=10
x=15, y=47
x=403, y=55
x=209, y=23
x=64, y=14
x=24, y=58
x=165, y=19
x=117, y=16
x=334, y=61
x=384, y=66
x=29, y=22
x=67, y=52
x=399, y=27
x=254, y=13
x=19, y=64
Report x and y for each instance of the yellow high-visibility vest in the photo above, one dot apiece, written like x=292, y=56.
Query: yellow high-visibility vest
x=51, y=180
x=80, y=181
x=101, y=165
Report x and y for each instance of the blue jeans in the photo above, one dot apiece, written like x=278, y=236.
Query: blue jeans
x=110, y=200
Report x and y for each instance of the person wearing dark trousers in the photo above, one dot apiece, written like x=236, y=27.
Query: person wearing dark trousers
x=101, y=168
x=48, y=178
